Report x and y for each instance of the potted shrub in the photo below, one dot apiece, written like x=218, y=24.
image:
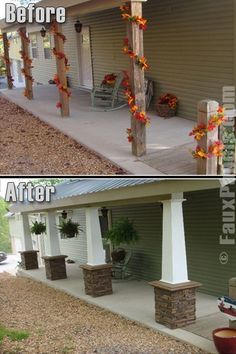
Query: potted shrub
x=122, y=232
x=69, y=228
x=167, y=105
x=38, y=228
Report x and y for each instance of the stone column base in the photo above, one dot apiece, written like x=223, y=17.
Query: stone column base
x=29, y=260
x=175, y=305
x=55, y=267
x=97, y=279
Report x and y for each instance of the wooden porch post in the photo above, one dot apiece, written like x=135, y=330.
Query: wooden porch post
x=135, y=37
x=26, y=65
x=7, y=61
x=61, y=70
x=206, y=109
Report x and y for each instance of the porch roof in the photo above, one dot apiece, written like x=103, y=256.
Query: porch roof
x=81, y=193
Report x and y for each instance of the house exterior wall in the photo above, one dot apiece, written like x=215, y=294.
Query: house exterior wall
x=76, y=248
x=203, y=227
x=189, y=45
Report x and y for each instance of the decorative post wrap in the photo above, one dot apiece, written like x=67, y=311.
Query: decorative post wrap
x=175, y=295
x=6, y=59
x=97, y=274
x=29, y=257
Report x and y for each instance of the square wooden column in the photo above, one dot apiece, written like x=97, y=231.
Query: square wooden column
x=135, y=36
x=7, y=61
x=61, y=70
x=27, y=66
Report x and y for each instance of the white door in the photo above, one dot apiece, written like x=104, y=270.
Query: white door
x=85, y=72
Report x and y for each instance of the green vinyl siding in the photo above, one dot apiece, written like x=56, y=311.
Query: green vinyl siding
x=146, y=254
x=189, y=45
x=203, y=227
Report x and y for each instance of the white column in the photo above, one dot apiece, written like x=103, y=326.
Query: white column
x=27, y=239
x=174, y=259
x=52, y=245
x=95, y=250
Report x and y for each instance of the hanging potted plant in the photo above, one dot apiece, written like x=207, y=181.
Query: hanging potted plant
x=69, y=228
x=38, y=228
x=122, y=232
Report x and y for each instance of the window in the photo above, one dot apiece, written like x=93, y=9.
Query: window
x=47, y=47
x=34, y=46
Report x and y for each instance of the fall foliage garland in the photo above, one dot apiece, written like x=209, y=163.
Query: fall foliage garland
x=27, y=62
x=135, y=111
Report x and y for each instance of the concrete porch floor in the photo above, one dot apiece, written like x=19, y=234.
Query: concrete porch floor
x=134, y=300
x=168, y=141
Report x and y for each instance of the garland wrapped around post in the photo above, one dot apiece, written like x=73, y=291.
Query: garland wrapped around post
x=134, y=82
x=6, y=59
x=60, y=78
x=27, y=63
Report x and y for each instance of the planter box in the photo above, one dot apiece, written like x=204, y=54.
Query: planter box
x=29, y=260
x=163, y=110
x=55, y=267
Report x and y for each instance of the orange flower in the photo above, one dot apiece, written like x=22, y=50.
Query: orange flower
x=216, y=149
x=199, y=132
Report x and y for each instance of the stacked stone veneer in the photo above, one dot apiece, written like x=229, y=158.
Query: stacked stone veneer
x=97, y=280
x=55, y=267
x=175, y=305
x=29, y=260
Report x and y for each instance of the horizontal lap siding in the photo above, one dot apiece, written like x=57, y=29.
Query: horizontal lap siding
x=190, y=49
x=146, y=254
x=76, y=248
x=203, y=227
x=43, y=69
x=189, y=45
x=107, y=33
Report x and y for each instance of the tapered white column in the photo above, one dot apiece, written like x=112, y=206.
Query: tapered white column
x=174, y=260
x=27, y=239
x=95, y=250
x=52, y=245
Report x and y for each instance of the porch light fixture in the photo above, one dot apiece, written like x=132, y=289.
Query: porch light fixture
x=104, y=212
x=64, y=214
x=43, y=32
x=78, y=26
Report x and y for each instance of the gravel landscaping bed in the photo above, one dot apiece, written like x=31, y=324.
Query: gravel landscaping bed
x=31, y=147
x=59, y=323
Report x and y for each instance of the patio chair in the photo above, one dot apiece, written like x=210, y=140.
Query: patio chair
x=149, y=92
x=109, y=96
x=120, y=268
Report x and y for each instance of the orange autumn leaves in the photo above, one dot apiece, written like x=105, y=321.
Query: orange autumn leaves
x=136, y=112
x=216, y=148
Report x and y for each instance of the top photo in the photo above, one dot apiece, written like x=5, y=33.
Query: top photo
x=112, y=87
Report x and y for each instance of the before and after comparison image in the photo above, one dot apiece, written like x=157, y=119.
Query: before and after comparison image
x=117, y=177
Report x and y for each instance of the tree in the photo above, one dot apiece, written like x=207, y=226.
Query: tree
x=47, y=181
x=5, y=243
x=26, y=2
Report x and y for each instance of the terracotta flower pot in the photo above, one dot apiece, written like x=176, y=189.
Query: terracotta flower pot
x=225, y=340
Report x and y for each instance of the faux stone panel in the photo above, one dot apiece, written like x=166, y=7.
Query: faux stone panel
x=97, y=280
x=29, y=260
x=55, y=267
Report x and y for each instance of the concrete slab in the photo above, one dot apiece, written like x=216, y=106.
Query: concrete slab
x=132, y=299
x=105, y=132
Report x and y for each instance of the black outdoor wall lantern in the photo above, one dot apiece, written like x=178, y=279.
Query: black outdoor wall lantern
x=64, y=214
x=78, y=26
x=43, y=32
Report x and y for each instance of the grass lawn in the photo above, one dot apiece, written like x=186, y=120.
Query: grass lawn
x=12, y=334
x=59, y=323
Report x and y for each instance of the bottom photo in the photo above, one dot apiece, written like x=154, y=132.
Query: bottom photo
x=117, y=265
